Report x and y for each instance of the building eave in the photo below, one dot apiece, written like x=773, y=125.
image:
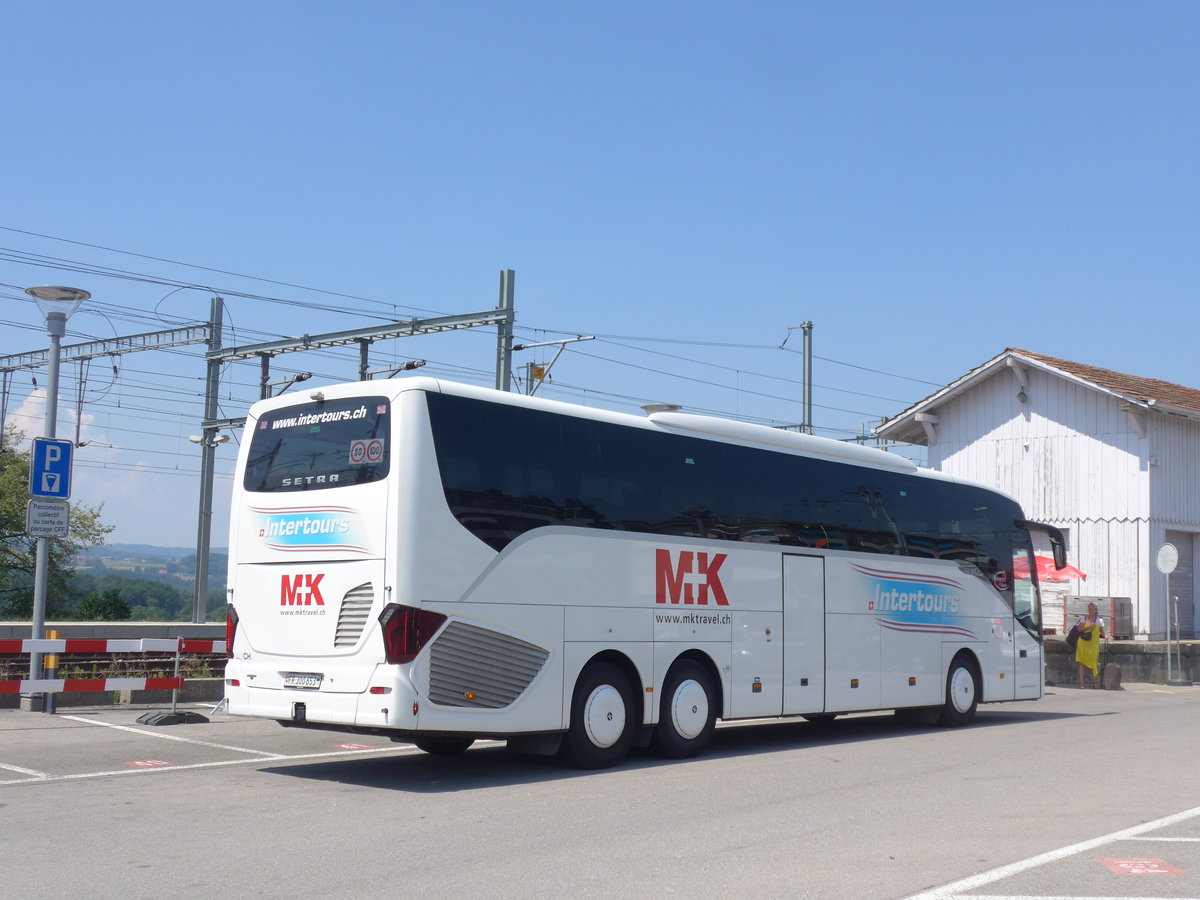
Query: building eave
x=907, y=428
x=912, y=426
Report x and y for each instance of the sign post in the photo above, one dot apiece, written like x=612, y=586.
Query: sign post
x=50, y=462
x=1168, y=559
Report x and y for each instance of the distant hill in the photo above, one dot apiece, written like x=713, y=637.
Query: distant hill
x=147, y=552
x=174, y=566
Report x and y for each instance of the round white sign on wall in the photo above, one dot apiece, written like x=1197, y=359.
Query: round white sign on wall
x=1168, y=558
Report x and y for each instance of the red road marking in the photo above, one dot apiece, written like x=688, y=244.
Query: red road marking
x=1140, y=867
x=353, y=747
x=148, y=763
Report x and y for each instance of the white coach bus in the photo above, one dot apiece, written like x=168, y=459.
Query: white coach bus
x=437, y=563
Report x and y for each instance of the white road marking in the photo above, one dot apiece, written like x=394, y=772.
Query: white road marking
x=956, y=890
x=1054, y=897
x=1181, y=840
x=34, y=772
x=174, y=737
x=47, y=779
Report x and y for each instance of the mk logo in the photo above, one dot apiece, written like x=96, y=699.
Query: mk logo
x=691, y=581
x=301, y=590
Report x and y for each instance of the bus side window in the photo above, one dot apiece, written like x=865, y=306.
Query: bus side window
x=461, y=473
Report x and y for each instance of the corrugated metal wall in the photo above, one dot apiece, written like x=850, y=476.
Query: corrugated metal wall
x=1074, y=458
x=1071, y=457
x=1181, y=585
x=1066, y=453
x=1176, y=456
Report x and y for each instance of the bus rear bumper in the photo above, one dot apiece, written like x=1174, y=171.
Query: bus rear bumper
x=390, y=708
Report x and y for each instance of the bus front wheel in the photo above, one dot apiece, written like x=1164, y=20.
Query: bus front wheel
x=687, y=712
x=962, y=692
x=602, y=721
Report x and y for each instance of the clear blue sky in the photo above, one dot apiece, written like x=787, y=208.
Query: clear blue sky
x=927, y=182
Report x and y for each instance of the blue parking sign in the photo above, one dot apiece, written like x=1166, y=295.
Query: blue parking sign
x=50, y=468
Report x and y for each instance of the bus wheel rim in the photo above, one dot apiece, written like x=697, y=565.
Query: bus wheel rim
x=604, y=716
x=962, y=689
x=689, y=709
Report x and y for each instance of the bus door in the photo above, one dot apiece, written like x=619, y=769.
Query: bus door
x=1028, y=675
x=1027, y=685
x=1000, y=659
x=803, y=634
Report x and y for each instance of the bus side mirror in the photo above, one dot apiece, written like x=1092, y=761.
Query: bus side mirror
x=1058, y=543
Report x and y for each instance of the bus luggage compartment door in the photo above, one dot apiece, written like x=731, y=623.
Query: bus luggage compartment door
x=757, y=682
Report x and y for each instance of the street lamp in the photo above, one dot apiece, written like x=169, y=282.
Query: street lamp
x=208, y=442
x=57, y=304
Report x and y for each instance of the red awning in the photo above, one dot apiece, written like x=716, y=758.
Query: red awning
x=1046, y=570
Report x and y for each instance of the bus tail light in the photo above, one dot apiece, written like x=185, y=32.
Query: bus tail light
x=406, y=630
x=231, y=624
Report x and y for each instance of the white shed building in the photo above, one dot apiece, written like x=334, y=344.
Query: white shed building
x=1111, y=459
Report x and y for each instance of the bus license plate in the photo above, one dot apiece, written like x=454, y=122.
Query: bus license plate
x=310, y=680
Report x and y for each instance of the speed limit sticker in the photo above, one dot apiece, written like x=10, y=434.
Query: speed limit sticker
x=366, y=451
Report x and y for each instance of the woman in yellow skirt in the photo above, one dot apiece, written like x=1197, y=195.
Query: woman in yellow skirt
x=1087, y=651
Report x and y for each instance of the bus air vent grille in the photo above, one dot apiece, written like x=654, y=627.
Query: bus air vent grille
x=471, y=666
x=352, y=617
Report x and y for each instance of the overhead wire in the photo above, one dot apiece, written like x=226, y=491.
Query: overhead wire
x=717, y=384
x=179, y=285
x=742, y=371
x=215, y=270
x=131, y=314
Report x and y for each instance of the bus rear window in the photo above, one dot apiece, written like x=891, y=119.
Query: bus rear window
x=311, y=446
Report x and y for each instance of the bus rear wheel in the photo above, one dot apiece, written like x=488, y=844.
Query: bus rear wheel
x=602, y=721
x=962, y=692
x=447, y=746
x=687, y=712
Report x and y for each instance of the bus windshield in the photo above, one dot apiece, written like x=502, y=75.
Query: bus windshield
x=326, y=443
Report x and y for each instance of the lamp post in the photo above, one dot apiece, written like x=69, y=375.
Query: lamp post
x=57, y=304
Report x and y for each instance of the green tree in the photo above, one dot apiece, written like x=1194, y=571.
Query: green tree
x=216, y=607
x=18, y=551
x=108, y=606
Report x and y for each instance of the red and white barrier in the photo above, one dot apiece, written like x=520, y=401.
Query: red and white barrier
x=69, y=685
x=192, y=645
x=89, y=645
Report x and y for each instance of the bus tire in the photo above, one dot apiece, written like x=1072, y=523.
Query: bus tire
x=602, y=720
x=687, y=712
x=962, y=692
x=443, y=746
